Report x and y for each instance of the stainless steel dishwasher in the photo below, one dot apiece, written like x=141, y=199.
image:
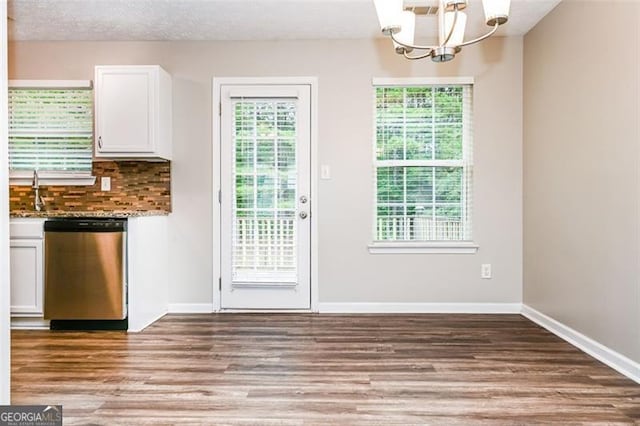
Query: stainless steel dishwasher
x=85, y=272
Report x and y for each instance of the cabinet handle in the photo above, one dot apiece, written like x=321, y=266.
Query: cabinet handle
x=100, y=142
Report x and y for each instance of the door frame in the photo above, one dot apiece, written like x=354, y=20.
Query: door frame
x=218, y=82
x=5, y=319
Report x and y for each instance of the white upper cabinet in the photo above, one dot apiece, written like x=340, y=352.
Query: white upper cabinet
x=133, y=112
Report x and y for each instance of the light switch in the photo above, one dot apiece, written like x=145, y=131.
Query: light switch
x=105, y=183
x=485, y=271
x=325, y=171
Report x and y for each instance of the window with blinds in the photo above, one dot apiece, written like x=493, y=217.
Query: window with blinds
x=423, y=163
x=51, y=130
x=265, y=176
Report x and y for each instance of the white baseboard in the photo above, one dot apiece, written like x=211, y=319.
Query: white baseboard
x=420, y=308
x=608, y=356
x=190, y=308
x=26, y=323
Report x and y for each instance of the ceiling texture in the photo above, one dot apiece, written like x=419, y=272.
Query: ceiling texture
x=233, y=19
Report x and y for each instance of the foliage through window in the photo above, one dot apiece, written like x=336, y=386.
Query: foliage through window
x=423, y=163
x=51, y=130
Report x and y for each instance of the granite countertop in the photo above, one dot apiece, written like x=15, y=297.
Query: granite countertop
x=66, y=213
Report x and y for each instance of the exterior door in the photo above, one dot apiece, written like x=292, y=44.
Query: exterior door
x=265, y=197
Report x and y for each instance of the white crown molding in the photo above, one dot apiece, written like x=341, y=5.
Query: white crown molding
x=602, y=353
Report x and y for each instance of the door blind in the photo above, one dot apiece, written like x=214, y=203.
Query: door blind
x=265, y=191
x=51, y=130
x=423, y=163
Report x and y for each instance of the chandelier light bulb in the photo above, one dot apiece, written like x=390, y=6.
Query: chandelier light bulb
x=407, y=32
x=496, y=11
x=390, y=15
x=446, y=22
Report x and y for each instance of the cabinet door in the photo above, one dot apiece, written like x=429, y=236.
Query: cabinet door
x=125, y=100
x=26, y=277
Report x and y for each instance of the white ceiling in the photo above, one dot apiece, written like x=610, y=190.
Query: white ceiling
x=230, y=19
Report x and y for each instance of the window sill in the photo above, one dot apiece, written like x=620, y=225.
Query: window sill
x=51, y=179
x=423, y=247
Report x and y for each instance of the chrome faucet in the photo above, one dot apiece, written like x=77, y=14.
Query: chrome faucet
x=38, y=202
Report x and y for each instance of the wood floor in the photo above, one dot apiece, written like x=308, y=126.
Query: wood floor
x=320, y=369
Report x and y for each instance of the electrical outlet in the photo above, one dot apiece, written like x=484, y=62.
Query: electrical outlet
x=105, y=183
x=325, y=172
x=485, y=271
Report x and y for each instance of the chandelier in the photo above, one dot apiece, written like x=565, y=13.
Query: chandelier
x=399, y=23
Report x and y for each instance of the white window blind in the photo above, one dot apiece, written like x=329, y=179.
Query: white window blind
x=51, y=129
x=423, y=163
x=264, y=193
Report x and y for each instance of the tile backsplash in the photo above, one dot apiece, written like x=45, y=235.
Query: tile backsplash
x=135, y=186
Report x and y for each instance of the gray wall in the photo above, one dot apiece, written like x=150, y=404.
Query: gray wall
x=581, y=170
x=348, y=273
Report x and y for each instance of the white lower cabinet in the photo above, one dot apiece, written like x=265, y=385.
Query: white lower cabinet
x=27, y=267
x=26, y=277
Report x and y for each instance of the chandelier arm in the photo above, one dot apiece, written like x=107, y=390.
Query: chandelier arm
x=476, y=40
x=453, y=27
x=411, y=46
x=413, y=58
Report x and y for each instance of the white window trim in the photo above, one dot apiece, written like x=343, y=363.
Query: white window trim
x=423, y=247
x=419, y=247
x=421, y=81
x=25, y=177
x=50, y=84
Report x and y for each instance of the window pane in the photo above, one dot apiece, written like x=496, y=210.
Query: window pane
x=418, y=123
x=286, y=191
x=244, y=120
x=286, y=154
x=266, y=158
x=419, y=186
x=448, y=185
x=390, y=123
x=265, y=119
x=244, y=192
x=244, y=155
x=448, y=143
x=265, y=192
x=286, y=120
x=391, y=223
x=448, y=104
x=390, y=185
x=448, y=123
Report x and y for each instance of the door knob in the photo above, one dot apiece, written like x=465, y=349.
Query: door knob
x=304, y=199
x=303, y=215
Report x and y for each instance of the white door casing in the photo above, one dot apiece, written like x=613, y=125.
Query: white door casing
x=265, y=196
x=5, y=339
